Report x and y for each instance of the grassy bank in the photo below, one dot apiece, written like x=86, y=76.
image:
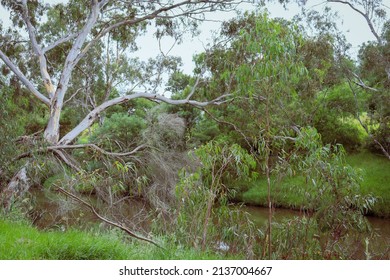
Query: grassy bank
x=376, y=181
x=20, y=241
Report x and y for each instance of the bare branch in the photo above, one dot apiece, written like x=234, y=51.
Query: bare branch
x=73, y=95
x=72, y=57
x=158, y=14
x=361, y=84
x=364, y=14
x=24, y=79
x=128, y=22
x=67, y=161
x=382, y=148
x=196, y=84
x=78, y=146
x=52, y=129
x=25, y=138
x=94, y=114
x=129, y=232
x=93, y=146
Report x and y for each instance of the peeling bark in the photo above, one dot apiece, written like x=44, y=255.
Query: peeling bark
x=17, y=187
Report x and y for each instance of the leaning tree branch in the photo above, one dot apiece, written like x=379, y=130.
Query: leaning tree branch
x=24, y=79
x=67, y=161
x=57, y=149
x=94, y=114
x=129, y=232
x=97, y=148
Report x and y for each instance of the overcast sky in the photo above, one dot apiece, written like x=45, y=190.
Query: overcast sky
x=353, y=25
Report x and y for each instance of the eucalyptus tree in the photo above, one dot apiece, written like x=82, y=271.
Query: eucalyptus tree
x=358, y=77
x=73, y=58
x=373, y=61
x=275, y=72
x=257, y=61
x=374, y=72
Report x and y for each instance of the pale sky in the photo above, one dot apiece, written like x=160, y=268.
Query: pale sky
x=354, y=27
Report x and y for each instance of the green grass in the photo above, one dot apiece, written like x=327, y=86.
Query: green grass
x=21, y=241
x=376, y=181
x=284, y=194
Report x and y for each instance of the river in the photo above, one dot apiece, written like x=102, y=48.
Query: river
x=379, y=242
x=54, y=213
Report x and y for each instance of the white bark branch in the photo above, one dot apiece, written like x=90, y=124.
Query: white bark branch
x=149, y=16
x=361, y=84
x=60, y=41
x=94, y=114
x=57, y=149
x=53, y=127
x=24, y=79
x=70, y=61
x=38, y=51
x=66, y=160
x=95, y=147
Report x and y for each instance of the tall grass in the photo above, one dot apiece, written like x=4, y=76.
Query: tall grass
x=21, y=241
x=376, y=179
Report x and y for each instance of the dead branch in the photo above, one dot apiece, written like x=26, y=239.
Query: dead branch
x=93, y=146
x=129, y=232
x=24, y=138
x=66, y=160
x=57, y=149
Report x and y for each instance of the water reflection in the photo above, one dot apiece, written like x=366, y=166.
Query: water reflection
x=379, y=242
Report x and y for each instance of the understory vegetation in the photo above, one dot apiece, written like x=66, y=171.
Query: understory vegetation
x=104, y=156
x=374, y=170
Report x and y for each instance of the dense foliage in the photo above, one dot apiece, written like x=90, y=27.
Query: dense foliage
x=268, y=106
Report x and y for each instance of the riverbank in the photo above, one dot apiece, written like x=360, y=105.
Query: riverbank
x=375, y=171
x=21, y=241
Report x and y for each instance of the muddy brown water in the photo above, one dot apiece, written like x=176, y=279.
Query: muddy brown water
x=379, y=245
x=52, y=212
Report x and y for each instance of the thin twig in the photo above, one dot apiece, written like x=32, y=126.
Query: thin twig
x=129, y=232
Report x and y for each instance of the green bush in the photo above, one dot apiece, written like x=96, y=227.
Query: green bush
x=120, y=127
x=335, y=130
